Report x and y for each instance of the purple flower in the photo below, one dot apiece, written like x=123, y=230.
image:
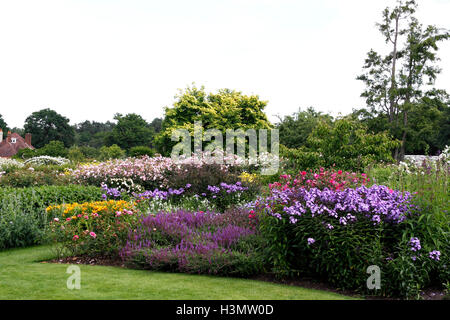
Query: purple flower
x=415, y=244
x=435, y=255
x=376, y=219
x=311, y=241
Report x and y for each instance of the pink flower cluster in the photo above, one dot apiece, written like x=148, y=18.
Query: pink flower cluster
x=332, y=179
x=136, y=169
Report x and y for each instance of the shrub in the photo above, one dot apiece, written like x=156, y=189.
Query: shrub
x=30, y=177
x=141, y=151
x=90, y=152
x=348, y=144
x=139, y=174
x=75, y=154
x=25, y=153
x=112, y=152
x=301, y=158
x=92, y=228
x=53, y=149
x=20, y=224
x=23, y=218
x=199, y=176
x=46, y=160
x=146, y=173
x=335, y=235
x=42, y=197
x=9, y=165
x=428, y=181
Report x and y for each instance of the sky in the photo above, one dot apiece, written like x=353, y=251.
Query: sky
x=90, y=59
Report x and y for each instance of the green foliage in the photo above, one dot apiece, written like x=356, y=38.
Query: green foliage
x=131, y=131
x=141, y=151
x=227, y=109
x=93, y=134
x=23, y=218
x=25, y=154
x=395, y=82
x=53, y=149
x=35, y=176
x=90, y=152
x=295, y=129
x=349, y=146
x=75, y=154
x=3, y=125
x=112, y=152
x=301, y=158
x=19, y=227
x=47, y=125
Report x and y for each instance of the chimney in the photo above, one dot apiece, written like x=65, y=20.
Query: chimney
x=1, y=135
x=28, y=139
x=8, y=137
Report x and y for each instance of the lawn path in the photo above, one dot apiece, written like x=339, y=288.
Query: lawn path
x=22, y=276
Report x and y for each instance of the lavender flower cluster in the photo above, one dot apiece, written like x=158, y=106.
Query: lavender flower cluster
x=228, y=188
x=181, y=237
x=377, y=203
x=415, y=246
x=160, y=194
x=110, y=192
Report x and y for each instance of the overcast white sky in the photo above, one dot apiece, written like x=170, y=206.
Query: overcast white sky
x=88, y=59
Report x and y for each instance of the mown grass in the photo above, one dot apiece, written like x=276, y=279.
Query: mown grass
x=23, y=275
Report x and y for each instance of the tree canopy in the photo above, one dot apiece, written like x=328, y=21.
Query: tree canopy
x=226, y=109
x=131, y=131
x=47, y=125
x=397, y=82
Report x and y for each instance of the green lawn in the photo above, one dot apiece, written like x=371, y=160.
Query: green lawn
x=22, y=276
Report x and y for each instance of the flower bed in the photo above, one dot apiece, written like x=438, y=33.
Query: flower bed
x=336, y=233
x=195, y=242
x=92, y=228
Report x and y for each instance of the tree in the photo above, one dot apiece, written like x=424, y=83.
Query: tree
x=226, y=109
x=3, y=125
x=395, y=82
x=156, y=124
x=93, y=134
x=348, y=144
x=131, y=131
x=47, y=125
x=295, y=129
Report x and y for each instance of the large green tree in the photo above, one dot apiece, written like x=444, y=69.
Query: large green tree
x=47, y=125
x=349, y=144
x=295, y=129
x=226, y=109
x=131, y=131
x=92, y=133
x=396, y=82
x=3, y=125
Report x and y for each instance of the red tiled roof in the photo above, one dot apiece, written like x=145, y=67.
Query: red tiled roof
x=8, y=149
